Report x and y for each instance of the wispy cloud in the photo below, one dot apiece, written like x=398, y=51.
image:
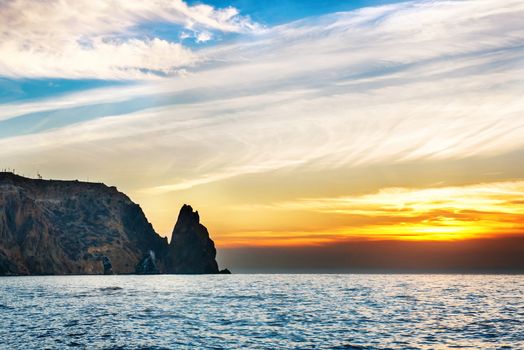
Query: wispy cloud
x=499, y=198
x=414, y=81
x=100, y=39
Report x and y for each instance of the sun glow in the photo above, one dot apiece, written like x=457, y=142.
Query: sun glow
x=433, y=214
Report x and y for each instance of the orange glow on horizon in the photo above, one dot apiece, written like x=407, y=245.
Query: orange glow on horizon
x=434, y=214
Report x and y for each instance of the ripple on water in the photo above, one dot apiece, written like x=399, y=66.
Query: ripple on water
x=263, y=311
x=110, y=289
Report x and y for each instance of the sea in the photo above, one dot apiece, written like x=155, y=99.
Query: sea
x=325, y=311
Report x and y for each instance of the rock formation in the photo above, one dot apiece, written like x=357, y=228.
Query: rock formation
x=191, y=249
x=72, y=227
x=147, y=266
x=108, y=267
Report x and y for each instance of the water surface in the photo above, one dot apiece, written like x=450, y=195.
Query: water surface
x=263, y=312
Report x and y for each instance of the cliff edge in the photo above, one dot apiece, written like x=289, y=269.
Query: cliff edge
x=72, y=227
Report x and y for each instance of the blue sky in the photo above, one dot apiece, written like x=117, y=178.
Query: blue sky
x=269, y=14
x=199, y=40
x=276, y=12
x=226, y=104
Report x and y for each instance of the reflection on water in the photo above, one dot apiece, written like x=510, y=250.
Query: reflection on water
x=263, y=311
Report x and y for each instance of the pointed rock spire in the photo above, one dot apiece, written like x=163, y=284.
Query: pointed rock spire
x=192, y=251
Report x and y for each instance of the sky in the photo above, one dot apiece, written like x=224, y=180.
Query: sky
x=316, y=130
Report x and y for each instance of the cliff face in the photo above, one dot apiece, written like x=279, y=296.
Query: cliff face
x=71, y=227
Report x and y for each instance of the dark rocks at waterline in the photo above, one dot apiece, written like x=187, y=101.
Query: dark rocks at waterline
x=147, y=266
x=51, y=227
x=108, y=267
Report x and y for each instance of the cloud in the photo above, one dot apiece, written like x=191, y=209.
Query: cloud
x=203, y=37
x=501, y=198
x=440, y=213
x=415, y=81
x=102, y=39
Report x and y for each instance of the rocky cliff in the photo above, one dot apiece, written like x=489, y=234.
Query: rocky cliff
x=192, y=251
x=72, y=227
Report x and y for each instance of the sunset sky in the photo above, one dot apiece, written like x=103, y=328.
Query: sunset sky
x=286, y=123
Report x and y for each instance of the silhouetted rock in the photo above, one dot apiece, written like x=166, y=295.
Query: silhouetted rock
x=73, y=227
x=225, y=272
x=191, y=249
x=108, y=267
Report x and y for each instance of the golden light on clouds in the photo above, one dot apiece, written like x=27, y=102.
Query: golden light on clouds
x=441, y=213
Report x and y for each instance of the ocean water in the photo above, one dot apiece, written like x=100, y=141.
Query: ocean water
x=263, y=312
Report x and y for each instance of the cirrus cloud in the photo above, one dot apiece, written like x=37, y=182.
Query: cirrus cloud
x=98, y=39
x=410, y=82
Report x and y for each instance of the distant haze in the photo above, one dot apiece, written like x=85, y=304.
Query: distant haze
x=499, y=255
